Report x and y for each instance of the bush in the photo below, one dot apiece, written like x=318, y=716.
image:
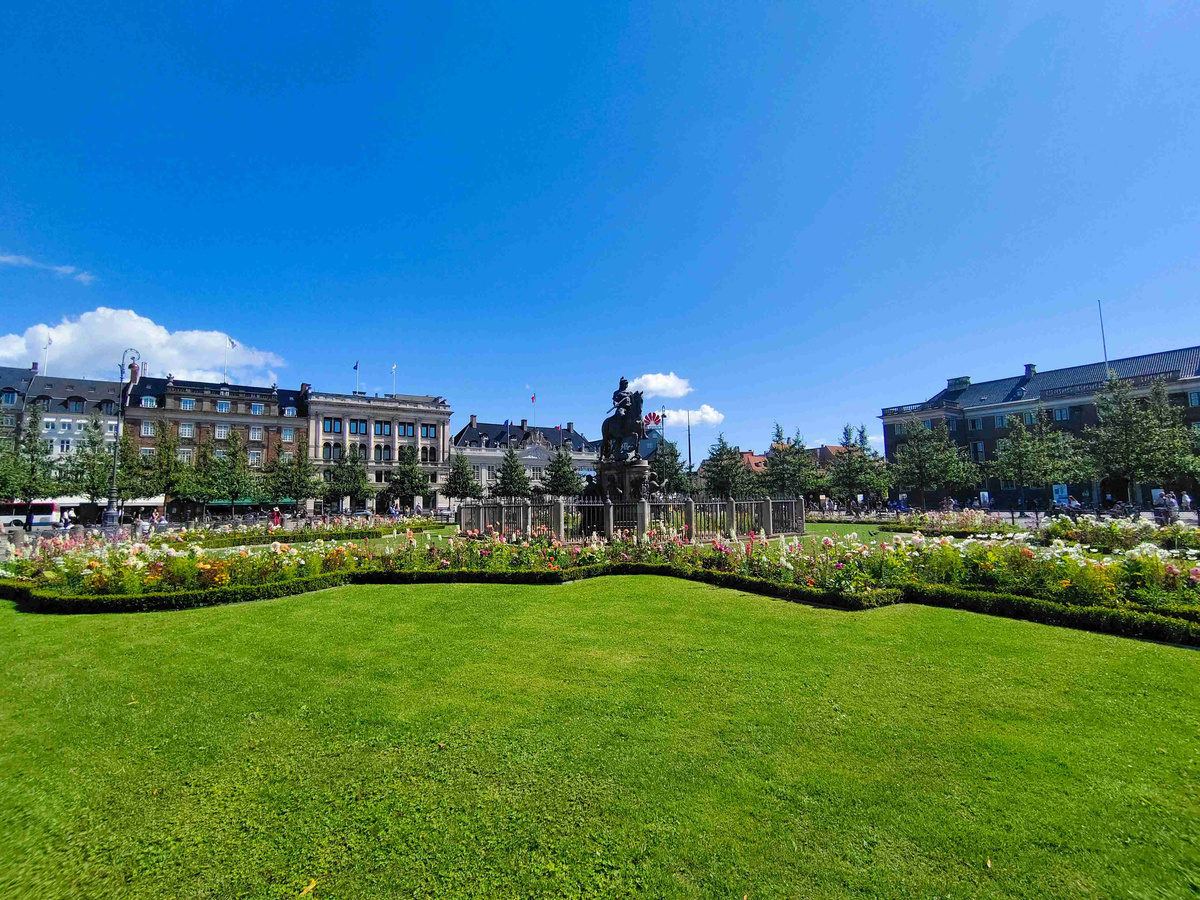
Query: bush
x=303, y=536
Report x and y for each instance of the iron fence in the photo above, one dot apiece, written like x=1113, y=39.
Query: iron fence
x=669, y=516
x=747, y=516
x=582, y=519
x=541, y=517
x=624, y=516
x=787, y=516
x=711, y=518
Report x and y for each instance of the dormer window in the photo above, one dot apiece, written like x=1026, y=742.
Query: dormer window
x=289, y=411
x=187, y=404
x=147, y=403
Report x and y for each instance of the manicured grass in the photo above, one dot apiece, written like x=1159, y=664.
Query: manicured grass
x=604, y=738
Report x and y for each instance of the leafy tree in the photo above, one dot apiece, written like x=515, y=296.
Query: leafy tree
x=462, y=484
x=930, y=460
x=409, y=480
x=134, y=472
x=347, y=477
x=562, y=479
x=513, y=480
x=89, y=468
x=725, y=472
x=10, y=473
x=35, y=471
x=1138, y=440
x=1039, y=455
x=235, y=479
x=203, y=481
x=166, y=468
x=293, y=479
x=667, y=468
x=858, y=469
x=791, y=470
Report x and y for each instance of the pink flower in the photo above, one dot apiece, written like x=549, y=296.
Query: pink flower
x=1171, y=570
x=1195, y=574
x=828, y=542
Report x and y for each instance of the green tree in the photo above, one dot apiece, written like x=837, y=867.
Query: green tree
x=236, y=480
x=1138, y=440
x=408, y=479
x=134, y=471
x=562, y=479
x=726, y=473
x=35, y=471
x=858, y=469
x=294, y=478
x=929, y=460
x=202, y=481
x=1038, y=455
x=667, y=468
x=10, y=472
x=791, y=470
x=347, y=477
x=513, y=480
x=166, y=468
x=462, y=484
x=89, y=469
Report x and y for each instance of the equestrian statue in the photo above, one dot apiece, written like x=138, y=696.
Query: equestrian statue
x=625, y=423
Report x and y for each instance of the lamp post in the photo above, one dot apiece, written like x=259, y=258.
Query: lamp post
x=129, y=359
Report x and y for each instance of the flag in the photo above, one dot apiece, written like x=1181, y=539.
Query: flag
x=558, y=428
x=49, y=340
x=232, y=342
x=533, y=399
x=393, y=368
x=356, y=366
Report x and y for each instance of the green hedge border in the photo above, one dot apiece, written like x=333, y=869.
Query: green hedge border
x=302, y=537
x=1123, y=622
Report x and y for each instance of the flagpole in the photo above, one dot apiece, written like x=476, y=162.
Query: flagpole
x=393, y=379
x=225, y=366
x=46, y=355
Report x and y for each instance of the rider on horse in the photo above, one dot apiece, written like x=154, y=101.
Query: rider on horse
x=622, y=398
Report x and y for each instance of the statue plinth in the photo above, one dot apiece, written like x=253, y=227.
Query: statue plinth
x=622, y=481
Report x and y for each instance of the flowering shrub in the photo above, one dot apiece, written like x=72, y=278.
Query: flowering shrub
x=1108, y=535
x=1146, y=576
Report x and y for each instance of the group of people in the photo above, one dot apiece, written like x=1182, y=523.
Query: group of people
x=1167, y=506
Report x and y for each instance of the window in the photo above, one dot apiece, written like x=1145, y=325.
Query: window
x=1029, y=418
x=289, y=411
x=1193, y=398
x=10, y=421
x=147, y=452
x=256, y=409
x=185, y=455
x=1062, y=414
x=49, y=425
x=1001, y=421
x=405, y=429
x=387, y=454
x=332, y=426
x=901, y=429
x=64, y=446
x=952, y=424
x=327, y=451
x=108, y=408
x=475, y=472
x=428, y=431
x=378, y=453
x=927, y=424
x=8, y=397
x=1007, y=485
x=491, y=473
x=148, y=402
x=433, y=454
x=977, y=449
x=286, y=456
x=358, y=426
x=337, y=450
x=289, y=435
x=112, y=427
x=379, y=477
x=187, y=403
x=256, y=433
x=222, y=406
x=79, y=426
x=383, y=428
x=536, y=472
x=147, y=429
x=256, y=457
x=424, y=454
x=219, y=454
x=75, y=406
x=221, y=433
x=433, y=477
x=975, y=425
x=187, y=430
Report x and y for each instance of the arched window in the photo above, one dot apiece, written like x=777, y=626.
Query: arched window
x=378, y=453
x=337, y=451
x=424, y=454
x=433, y=454
x=108, y=408
x=327, y=451
x=387, y=454
x=362, y=451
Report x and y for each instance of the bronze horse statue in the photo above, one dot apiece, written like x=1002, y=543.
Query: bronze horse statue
x=617, y=428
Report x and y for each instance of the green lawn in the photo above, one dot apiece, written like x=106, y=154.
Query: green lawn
x=605, y=738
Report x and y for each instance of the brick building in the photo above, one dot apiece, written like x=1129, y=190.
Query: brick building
x=979, y=414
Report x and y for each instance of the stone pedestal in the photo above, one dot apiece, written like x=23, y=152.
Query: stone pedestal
x=622, y=482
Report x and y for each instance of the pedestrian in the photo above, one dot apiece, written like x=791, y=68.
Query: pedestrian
x=1185, y=502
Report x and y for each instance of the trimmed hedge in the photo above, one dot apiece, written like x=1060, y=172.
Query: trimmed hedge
x=1124, y=621
x=287, y=537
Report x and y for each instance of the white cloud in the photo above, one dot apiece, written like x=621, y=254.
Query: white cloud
x=24, y=262
x=875, y=438
x=705, y=415
x=90, y=346
x=659, y=385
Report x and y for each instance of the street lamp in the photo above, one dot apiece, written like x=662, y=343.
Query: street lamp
x=130, y=359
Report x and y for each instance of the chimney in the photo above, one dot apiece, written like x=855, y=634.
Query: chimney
x=1030, y=370
x=525, y=423
x=570, y=426
x=957, y=384
x=304, y=388
x=474, y=421
x=34, y=367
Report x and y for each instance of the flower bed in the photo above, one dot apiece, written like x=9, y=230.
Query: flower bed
x=93, y=574
x=1109, y=535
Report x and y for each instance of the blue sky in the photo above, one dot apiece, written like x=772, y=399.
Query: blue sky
x=807, y=211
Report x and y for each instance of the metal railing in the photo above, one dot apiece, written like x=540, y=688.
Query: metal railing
x=711, y=518
x=541, y=517
x=787, y=516
x=625, y=516
x=669, y=516
x=582, y=519
x=747, y=516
